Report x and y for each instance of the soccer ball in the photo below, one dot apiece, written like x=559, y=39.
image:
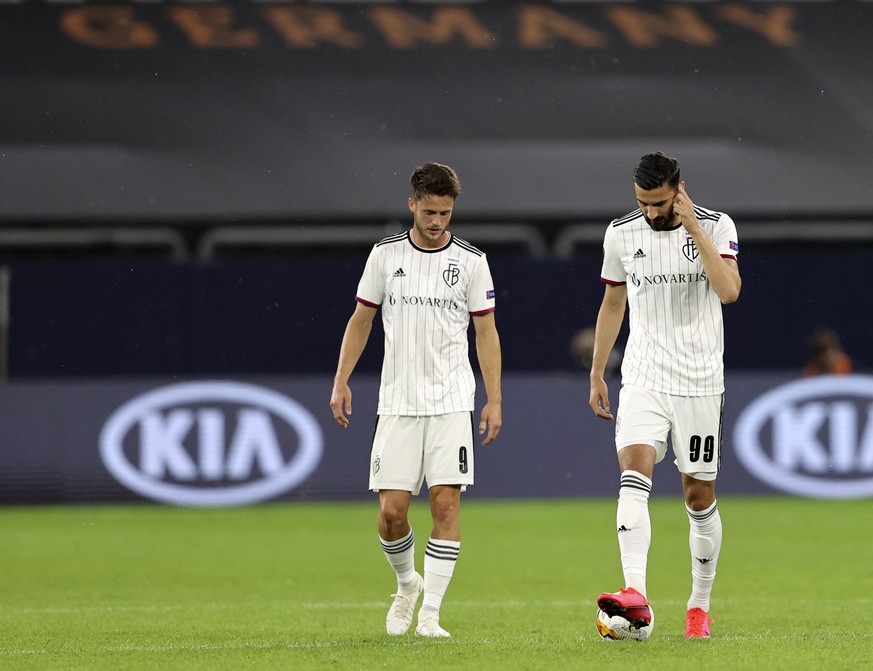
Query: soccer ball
x=618, y=628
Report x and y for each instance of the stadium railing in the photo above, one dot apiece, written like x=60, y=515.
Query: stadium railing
x=236, y=239
x=209, y=243
x=166, y=242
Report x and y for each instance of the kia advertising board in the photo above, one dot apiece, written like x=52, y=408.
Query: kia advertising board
x=192, y=443
x=812, y=437
x=236, y=442
x=237, y=445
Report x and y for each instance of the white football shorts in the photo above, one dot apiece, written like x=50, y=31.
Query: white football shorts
x=693, y=423
x=408, y=450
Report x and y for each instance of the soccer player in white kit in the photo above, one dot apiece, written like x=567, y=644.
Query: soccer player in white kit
x=427, y=283
x=674, y=263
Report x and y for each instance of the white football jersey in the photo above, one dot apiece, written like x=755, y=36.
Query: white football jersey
x=676, y=341
x=427, y=297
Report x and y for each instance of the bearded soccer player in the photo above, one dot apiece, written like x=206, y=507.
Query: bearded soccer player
x=674, y=264
x=428, y=283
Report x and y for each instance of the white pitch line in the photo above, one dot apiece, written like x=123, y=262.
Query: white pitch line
x=375, y=605
x=370, y=605
x=392, y=642
x=350, y=605
x=174, y=648
x=64, y=610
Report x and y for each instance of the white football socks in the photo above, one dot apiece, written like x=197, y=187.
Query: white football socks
x=440, y=558
x=634, y=528
x=401, y=555
x=704, y=539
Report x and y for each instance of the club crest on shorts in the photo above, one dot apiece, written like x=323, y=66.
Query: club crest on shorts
x=376, y=465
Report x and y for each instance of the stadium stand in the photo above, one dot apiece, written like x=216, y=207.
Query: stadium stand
x=211, y=169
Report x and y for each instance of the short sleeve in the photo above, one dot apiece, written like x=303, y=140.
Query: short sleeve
x=613, y=270
x=371, y=288
x=480, y=296
x=725, y=238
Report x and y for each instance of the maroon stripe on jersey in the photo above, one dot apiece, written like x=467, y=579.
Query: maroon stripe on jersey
x=612, y=282
x=482, y=312
x=729, y=256
x=367, y=303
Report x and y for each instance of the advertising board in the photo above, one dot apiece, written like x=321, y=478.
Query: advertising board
x=234, y=442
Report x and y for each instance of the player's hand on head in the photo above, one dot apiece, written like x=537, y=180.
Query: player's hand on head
x=683, y=206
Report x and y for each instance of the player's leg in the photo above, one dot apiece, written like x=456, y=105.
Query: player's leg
x=440, y=556
x=632, y=521
x=395, y=533
x=634, y=530
x=396, y=475
x=449, y=468
x=642, y=428
x=398, y=544
x=697, y=444
x=704, y=540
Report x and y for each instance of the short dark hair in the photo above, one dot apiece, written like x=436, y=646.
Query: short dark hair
x=434, y=179
x=656, y=169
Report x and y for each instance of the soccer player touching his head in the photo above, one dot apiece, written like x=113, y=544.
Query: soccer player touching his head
x=674, y=264
x=428, y=283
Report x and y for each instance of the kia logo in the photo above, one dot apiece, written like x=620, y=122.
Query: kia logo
x=812, y=437
x=211, y=444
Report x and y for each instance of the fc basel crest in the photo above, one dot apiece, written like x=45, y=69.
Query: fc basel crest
x=451, y=275
x=690, y=250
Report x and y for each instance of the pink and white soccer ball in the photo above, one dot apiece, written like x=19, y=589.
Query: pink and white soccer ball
x=618, y=628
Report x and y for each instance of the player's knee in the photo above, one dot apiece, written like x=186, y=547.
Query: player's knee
x=444, y=507
x=392, y=519
x=444, y=512
x=699, y=494
x=698, y=499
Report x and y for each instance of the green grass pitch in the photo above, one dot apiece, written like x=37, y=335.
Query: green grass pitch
x=305, y=586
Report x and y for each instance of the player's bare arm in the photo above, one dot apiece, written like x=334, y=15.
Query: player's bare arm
x=609, y=320
x=723, y=274
x=488, y=353
x=354, y=340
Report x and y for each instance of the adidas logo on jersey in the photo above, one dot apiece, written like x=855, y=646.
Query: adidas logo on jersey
x=639, y=254
x=399, y=273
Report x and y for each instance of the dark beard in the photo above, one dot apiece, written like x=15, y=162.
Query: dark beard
x=667, y=224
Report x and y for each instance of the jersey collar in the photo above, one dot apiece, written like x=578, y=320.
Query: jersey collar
x=429, y=251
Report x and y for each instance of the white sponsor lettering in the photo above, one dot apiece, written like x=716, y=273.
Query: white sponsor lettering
x=812, y=437
x=168, y=417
